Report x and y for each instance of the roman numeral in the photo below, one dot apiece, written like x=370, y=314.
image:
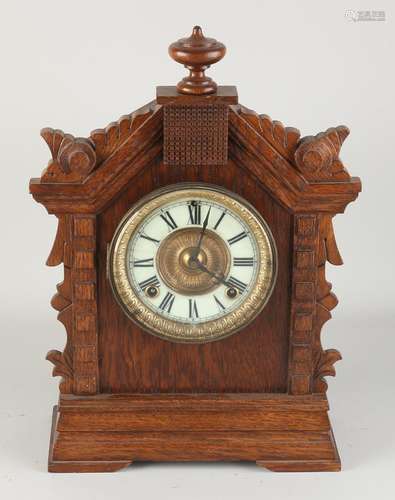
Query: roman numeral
x=219, y=303
x=153, y=281
x=149, y=238
x=169, y=220
x=144, y=263
x=193, y=311
x=195, y=212
x=243, y=261
x=237, y=238
x=219, y=220
x=167, y=302
x=235, y=283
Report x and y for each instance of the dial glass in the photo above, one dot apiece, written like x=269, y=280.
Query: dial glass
x=192, y=263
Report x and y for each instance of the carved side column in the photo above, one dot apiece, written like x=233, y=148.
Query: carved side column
x=76, y=301
x=84, y=295
x=312, y=301
x=304, y=277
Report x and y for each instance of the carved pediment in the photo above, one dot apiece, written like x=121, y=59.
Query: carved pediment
x=299, y=172
x=73, y=159
x=84, y=174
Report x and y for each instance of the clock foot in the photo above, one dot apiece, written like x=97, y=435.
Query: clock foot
x=300, y=465
x=104, y=466
x=332, y=464
x=77, y=465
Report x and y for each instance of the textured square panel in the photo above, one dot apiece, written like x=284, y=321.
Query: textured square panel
x=195, y=134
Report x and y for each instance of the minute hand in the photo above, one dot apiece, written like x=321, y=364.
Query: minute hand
x=204, y=226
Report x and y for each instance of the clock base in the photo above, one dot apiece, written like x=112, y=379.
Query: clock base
x=107, y=433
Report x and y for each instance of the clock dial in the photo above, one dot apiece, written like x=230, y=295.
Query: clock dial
x=192, y=263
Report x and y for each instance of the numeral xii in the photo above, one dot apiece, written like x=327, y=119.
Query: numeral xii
x=195, y=212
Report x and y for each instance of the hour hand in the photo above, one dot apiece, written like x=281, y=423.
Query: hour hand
x=220, y=279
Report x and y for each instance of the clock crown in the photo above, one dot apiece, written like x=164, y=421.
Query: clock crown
x=197, y=53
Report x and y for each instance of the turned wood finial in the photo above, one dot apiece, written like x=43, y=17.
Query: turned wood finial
x=197, y=53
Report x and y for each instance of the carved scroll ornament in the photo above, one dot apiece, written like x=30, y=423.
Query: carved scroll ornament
x=318, y=157
x=74, y=158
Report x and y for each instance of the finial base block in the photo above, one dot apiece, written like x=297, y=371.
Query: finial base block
x=196, y=86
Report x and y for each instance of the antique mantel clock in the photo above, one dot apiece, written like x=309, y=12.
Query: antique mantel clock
x=194, y=235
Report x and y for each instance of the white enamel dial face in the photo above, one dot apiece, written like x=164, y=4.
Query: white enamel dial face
x=192, y=263
x=193, y=307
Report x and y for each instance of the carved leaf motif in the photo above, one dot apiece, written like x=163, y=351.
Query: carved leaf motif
x=56, y=256
x=324, y=368
x=326, y=301
x=326, y=361
x=317, y=157
x=332, y=252
x=283, y=139
x=63, y=363
x=109, y=139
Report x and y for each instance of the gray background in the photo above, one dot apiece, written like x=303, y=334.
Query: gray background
x=78, y=65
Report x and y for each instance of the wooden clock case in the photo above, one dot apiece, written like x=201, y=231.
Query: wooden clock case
x=259, y=395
